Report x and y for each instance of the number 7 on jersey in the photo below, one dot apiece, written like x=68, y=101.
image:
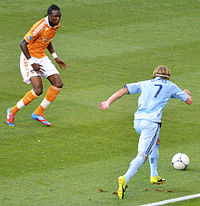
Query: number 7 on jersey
x=159, y=89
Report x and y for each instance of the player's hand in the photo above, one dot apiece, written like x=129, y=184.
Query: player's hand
x=61, y=63
x=38, y=68
x=187, y=92
x=189, y=99
x=103, y=105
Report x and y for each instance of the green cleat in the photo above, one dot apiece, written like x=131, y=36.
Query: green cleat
x=122, y=187
x=157, y=180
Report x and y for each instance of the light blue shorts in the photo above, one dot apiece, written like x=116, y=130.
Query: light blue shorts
x=149, y=133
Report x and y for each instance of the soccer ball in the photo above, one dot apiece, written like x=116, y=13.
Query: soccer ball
x=180, y=161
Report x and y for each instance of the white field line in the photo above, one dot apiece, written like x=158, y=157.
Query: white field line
x=173, y=200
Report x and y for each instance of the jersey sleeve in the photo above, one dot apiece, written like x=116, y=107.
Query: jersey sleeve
x=34, y=32
x=133, y=88
x=29, y=37
x=179, y=93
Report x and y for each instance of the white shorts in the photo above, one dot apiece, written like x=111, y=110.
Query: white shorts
x=27, y=70
x=149, y=133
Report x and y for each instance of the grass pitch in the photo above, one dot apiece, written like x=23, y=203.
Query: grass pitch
x=106, y=43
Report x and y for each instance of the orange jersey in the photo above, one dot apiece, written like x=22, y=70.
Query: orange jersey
x=39, y=37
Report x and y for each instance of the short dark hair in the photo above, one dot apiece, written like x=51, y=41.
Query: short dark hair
x=51, y=8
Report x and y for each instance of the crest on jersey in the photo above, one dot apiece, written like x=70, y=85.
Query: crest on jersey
x=45, y=39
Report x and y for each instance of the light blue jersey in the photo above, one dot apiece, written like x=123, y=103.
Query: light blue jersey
x=154, y=96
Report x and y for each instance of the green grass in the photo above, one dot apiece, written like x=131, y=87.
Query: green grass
x=106, y=43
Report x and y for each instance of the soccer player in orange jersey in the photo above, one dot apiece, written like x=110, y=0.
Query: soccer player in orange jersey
x=34, y=65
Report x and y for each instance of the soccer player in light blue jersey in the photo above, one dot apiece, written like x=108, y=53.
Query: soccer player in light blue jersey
x=154, y=95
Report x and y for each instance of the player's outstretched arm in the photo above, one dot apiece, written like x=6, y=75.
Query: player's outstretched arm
x=189, y=99
x=105, y=104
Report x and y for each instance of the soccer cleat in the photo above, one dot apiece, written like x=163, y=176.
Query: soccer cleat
x=10, y=118
x=122, y=187
x=157, y=180
x=40, y=119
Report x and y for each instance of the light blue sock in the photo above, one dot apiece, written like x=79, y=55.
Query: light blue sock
x=153, y=160
x=134, y=167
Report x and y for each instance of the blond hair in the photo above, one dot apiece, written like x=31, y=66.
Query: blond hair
x=162, y=71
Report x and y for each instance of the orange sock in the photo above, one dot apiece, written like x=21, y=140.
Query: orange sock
x=39, y=110
x=28, y=97
x=52, y=93
x=50, y=96
x=14, y=109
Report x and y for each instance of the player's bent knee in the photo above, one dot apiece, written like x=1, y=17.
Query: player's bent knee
x=38, y=91
x=58, y=85
x=61, y=85
x=139, y=153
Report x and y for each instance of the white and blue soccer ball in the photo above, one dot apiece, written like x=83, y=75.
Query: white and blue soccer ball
x=180, y=161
